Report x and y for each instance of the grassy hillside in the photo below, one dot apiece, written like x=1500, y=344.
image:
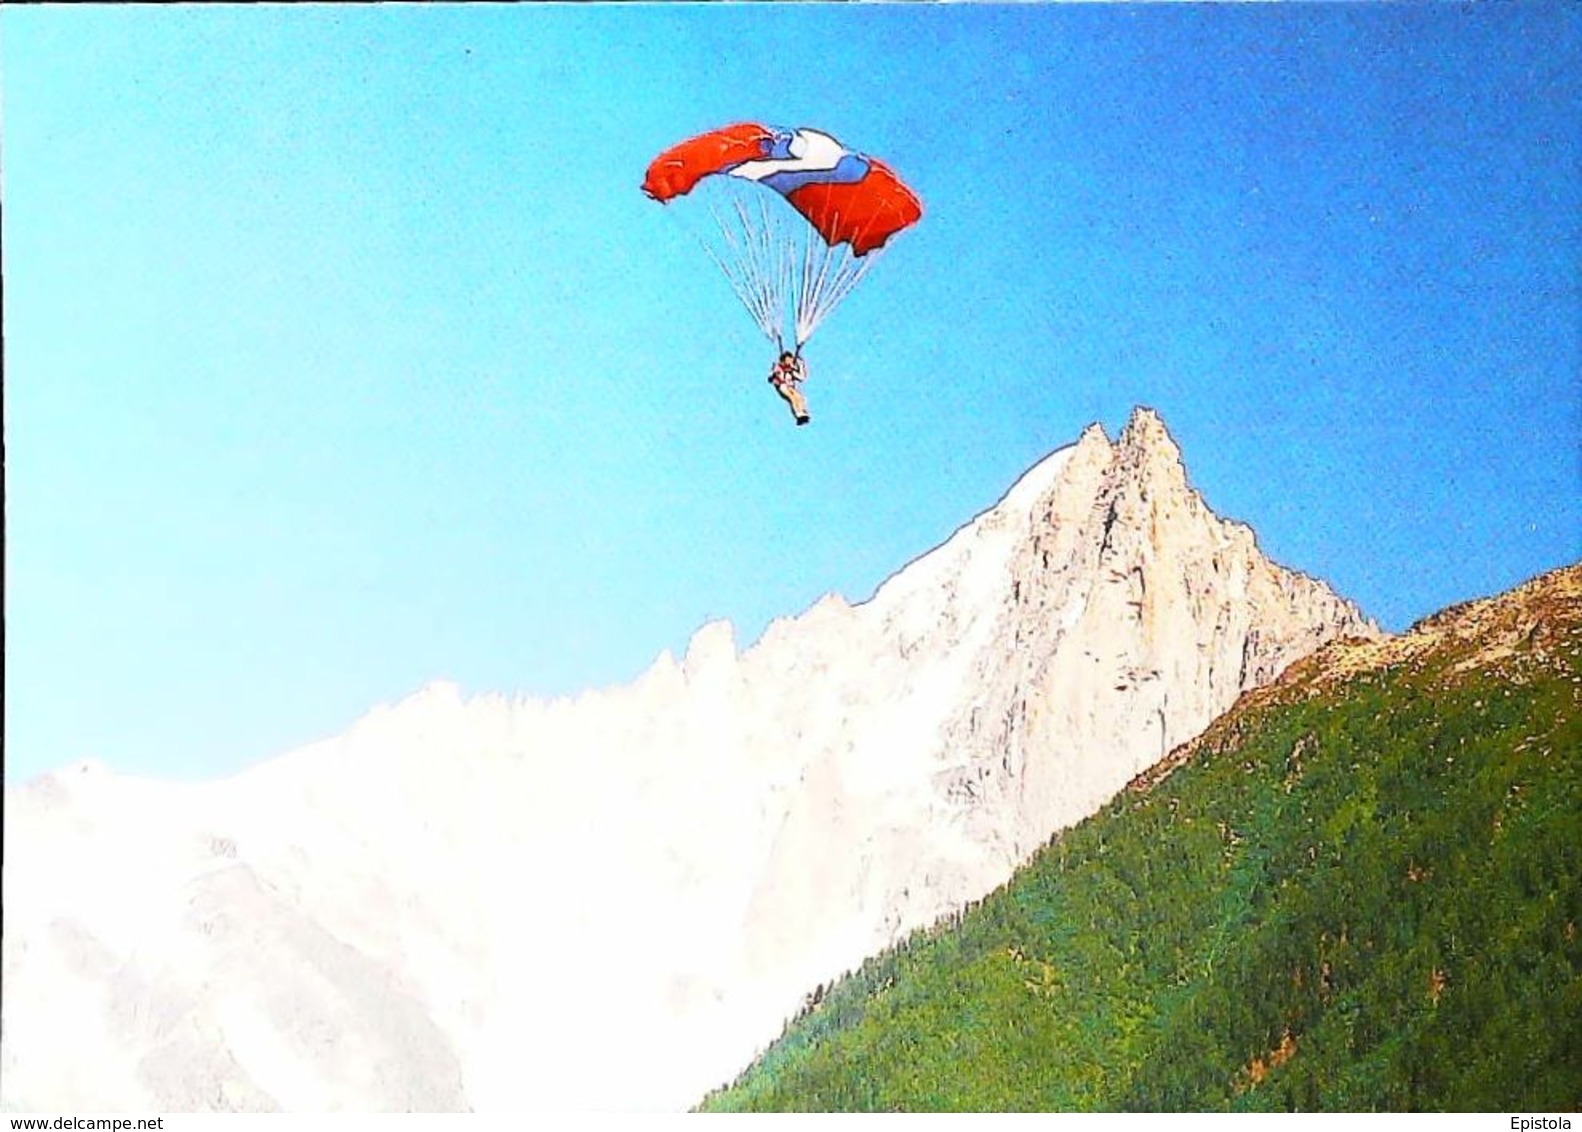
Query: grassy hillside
x=1360, y=889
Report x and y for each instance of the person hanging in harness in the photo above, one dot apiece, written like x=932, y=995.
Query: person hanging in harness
x=786, y=376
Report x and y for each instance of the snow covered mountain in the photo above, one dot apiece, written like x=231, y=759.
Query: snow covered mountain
x=613, y=901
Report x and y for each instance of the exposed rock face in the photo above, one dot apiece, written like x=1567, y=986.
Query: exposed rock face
x=614, y=901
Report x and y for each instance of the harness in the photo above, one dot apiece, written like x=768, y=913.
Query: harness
x=787, y=373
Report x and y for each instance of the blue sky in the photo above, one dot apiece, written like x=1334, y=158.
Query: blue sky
x=343, y=353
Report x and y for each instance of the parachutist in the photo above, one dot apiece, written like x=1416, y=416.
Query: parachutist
x=786, y=375
x=797, y=221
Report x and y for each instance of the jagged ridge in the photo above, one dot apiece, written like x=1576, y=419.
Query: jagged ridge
x=491, y=900
x=1359, y=889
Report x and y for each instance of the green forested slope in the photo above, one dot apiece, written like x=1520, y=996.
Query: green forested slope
x=1360, y=889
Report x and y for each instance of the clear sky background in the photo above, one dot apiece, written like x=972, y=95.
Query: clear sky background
x=343, y=353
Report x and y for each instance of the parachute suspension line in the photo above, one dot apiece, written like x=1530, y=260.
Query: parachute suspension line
x=776, y=264
x=810, y=307
x=731, y=273
x=853, y=268
x=739, y=237
x=804, y=303
x=838, y=275
x=737, y=286
x=780, y=254
x=739, y=233
x=832, y=286
x=838, y=270
x=761, y=267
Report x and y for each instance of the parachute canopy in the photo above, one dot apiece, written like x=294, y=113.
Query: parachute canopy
x=798, y=218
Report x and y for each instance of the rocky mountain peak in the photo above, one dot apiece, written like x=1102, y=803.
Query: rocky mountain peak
x=501, y=898
x=1146, y=435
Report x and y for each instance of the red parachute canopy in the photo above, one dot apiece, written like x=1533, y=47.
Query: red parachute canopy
x=675, y=171
x=846, y=196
